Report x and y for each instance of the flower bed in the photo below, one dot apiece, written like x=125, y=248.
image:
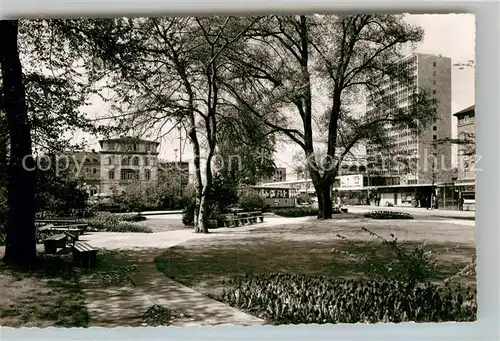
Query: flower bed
x=388, y=215
x=296, y=212
x=108, y=222
x=291, y=299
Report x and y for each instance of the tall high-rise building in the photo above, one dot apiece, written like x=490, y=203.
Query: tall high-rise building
x=432, y=73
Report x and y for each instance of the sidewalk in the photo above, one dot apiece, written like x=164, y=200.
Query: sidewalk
x=124, y=305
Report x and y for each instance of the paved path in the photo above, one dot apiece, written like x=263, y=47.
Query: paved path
x=166, y=239
x=124, y=305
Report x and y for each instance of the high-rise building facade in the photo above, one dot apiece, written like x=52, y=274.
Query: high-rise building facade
x=432, y=73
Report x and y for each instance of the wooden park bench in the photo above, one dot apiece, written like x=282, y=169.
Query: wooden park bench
x=256, y=216
x=73, y=228
x=84, y=255
x=243, y=218
x=339, y=210
x=72, y=237
x=54, y=242
x=229, y=220
x=240, y=218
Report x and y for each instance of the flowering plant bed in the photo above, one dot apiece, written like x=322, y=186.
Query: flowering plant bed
x=295, y=299
x=388, y=215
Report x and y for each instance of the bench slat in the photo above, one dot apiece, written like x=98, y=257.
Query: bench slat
x=84, y=255
x=55, y=237
x=84, y=247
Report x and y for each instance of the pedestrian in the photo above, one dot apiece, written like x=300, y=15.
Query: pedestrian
x=461, y=203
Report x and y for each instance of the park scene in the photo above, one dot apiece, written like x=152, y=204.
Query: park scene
x=257, y=170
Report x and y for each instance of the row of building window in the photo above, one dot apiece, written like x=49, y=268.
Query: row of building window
x=128, y=175
x=135, y=161
x=131, y=147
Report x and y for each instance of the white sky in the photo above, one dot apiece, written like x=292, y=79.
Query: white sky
x=451, y=35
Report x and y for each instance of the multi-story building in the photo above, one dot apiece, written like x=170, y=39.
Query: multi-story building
x=466, y=156
x=278, y=176
x=432, y=73
x=466, y=128
x=126, y=161
x=86, y=166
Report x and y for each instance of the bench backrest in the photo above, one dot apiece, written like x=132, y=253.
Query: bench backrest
x=57, y=237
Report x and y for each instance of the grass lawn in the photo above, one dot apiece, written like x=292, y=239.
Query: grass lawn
x=46, y=295
x=51, y=294
x=208, y=264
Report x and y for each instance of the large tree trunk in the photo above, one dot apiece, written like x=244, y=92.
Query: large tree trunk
x=201, y=225
x=20, y=244
x=201, y=222
x=324, y=195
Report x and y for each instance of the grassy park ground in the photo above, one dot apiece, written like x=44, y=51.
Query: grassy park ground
x=48, y=295
x=57, y=294
x=306, y=248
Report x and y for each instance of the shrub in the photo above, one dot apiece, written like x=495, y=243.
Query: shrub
x=132, y=218
x=108, y=222
x=417, y=265
x=292, y=299
x=304, y=198
x=188, y=212
x=251, y=202
x=296, y=212
x=221, y=196
x=388, y=215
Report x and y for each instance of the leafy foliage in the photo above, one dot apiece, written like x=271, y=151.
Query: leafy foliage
x=165, y=71
x=292, y=299
x=252, y=202
x=290, y=61
x=57, y=87
x=304, y=198
x=58, y=193
x=415, y=266
x=108, y=222
x=221, y=196
x=388, y=215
